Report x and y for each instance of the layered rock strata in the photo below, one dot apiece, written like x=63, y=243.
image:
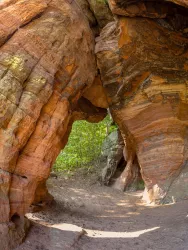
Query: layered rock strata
x=146, y=79
x=46, y=62
x=50, y=77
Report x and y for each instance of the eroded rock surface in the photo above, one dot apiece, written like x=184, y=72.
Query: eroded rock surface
x=146, y=80
x=50, y=77
x=13, y=233
x=111, y=156
x=44, y=67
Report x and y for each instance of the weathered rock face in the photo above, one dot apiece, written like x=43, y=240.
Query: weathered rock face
x=44, y=67
x=139, y=8
x=136, y=4
x=101, y=11
x=111, y=156
x=13, y=233
x=146, y=79
x=49, y=79
x=97, y=12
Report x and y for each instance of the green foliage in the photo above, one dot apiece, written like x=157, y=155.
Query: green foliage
x=84, y=145
x=102, y=1
x=140, y=185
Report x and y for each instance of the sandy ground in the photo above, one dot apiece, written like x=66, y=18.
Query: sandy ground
x=88, y=216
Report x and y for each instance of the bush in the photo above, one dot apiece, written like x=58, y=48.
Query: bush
x=84, y=145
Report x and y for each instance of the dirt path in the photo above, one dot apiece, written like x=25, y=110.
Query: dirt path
x=92, y=217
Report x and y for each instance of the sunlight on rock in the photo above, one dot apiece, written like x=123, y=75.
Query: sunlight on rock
x=114, y=216
x=79, y=191
x=136, y=194
x=122, y=204
x=133, y=213
x=109, y=211
x=102, y=234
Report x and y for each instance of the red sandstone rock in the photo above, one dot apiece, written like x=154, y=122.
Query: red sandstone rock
x=16, y=15
x=148, y=88
x=141, y=3
x=44, y=68
x=13, y=233
x=140, y=8
x=180, y=2
x=96, y=94
x=47, y=72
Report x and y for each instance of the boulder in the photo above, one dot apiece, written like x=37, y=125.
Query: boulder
x=111, y=156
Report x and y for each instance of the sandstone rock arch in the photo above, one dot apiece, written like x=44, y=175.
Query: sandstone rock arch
x=54, y=71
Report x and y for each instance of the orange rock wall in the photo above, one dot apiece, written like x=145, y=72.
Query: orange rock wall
x=53, y=72
x=44, y=67
x=148, y=85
